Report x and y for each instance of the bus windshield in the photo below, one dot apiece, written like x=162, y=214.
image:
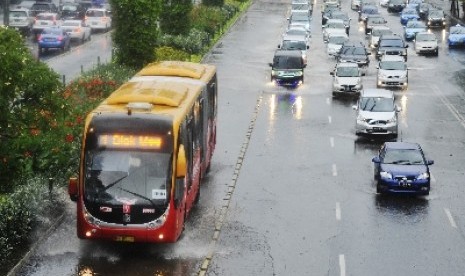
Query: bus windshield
x=118, y=177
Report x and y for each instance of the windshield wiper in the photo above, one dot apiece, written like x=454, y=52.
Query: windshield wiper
x=115, y=182
x=403, y=162
x=138, y=195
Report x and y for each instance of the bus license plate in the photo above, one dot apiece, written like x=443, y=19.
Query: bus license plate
x=124, y=239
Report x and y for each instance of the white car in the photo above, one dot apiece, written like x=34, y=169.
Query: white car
x=297, y=31
x=347, y=79
x=426, y=43
x=98, y=19
x=383, y=3
x=45, y=20
x=334, y=44
x=376, y=113
x=376, y=33
x=77, y=30
x=392, y=72
x=332, y=27
x=21, y=20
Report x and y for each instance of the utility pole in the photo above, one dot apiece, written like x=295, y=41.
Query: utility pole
x=6, y=12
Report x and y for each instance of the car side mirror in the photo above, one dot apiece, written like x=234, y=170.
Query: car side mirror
x=398, y=108
x=308, y=47
x=369, y=53
x=430, y=162
x=279, y=46
x=270, y=64
x=354, y=107
x=363, y=74
x=331, y=73
x=406, y=46
x=376, y=160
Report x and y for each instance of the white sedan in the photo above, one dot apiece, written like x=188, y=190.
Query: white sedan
x=77, y=30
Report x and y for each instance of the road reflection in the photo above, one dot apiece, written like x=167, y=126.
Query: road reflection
x=402, y=208
x=132, y=259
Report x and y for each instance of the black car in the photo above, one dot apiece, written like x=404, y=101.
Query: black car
x=354, y=52
x=423, y=9
x=395, y=5
x=43, y=6
x=73, y=11
x=391, y=45
x=287, y=68
x=436, y=18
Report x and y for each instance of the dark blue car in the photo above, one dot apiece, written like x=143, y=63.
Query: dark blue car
x=408, y=14
x=53, y=38
x=401, y=167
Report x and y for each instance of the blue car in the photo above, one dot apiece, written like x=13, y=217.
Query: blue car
x=53, y=38
x=456, y=36
x=401, y=167
x=408, y=14
x=412, y=28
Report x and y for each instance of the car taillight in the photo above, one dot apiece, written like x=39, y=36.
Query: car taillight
x=104, y=19
x=40, y=37
x=60, y=38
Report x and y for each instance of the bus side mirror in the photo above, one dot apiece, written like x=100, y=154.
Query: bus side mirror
x=181, y=166
x=73, y=188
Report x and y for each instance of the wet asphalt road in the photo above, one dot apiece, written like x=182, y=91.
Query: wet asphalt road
x=290, y=190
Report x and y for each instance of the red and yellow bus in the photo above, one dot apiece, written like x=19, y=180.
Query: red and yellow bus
x=145, y=150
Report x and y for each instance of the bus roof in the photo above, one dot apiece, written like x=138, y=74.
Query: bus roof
x=179, y=69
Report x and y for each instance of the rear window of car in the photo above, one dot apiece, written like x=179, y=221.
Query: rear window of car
x=95, y=13
x=45, y=17
x=18, y=14
x=69, y=8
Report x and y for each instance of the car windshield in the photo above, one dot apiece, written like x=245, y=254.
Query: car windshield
x=296, y=31
x=380, y=32
x=415, y=24
x=425, y=37
x=376, y=104
x=409, y=11
x=403, y=157
x=396, y=2
x=337, y=40
x=138, y=176
x=356, y=51
x=391, y=43
x=457, y=30
x=300, y=17
x=436, y=14
x=294, y=45
x=287, y=62
x=340, y=16
x=335, y=25
x=392, y=65
x=347, y=72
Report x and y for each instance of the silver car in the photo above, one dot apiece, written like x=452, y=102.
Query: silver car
x=392, y=72
x=376, y=113
x=334, y=44
x=347, y=79
x=376, y=33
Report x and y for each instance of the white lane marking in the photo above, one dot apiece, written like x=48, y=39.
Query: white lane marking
x=329, y=119
x=451, y=219
x=328, y=101
x=334, y=170
x=331, y=141
x=342, y=265
x=449, y=105
x=338, y=211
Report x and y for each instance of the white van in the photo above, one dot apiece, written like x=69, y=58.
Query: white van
x=98, y=19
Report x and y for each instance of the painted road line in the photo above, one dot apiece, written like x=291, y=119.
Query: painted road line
x=328, y=102
x=329, y=119
x=331, y=141
x=334, y=170
x=449, y=105
x=451, y=219
x=338, y=211
x=342, y=265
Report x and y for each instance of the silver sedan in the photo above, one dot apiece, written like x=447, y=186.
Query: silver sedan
x=77, y=30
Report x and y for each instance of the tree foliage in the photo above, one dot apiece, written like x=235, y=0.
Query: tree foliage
x=31, y=104
x=174, y=17
x=135, y=31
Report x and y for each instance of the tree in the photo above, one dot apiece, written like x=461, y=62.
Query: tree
x=217, y=3
x=136, y=29
x=175, y=17
x=30, y=103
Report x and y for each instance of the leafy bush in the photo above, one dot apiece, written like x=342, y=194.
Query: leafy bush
x=208, y=19
x=217, y=3
x=168, y=53
x=194, y=42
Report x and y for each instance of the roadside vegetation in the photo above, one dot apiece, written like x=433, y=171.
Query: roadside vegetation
x=42, y=121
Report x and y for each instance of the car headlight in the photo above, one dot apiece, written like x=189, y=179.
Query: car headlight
x=424, y=175
x=298, y=73
x=384, y=174
x=392, y=120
